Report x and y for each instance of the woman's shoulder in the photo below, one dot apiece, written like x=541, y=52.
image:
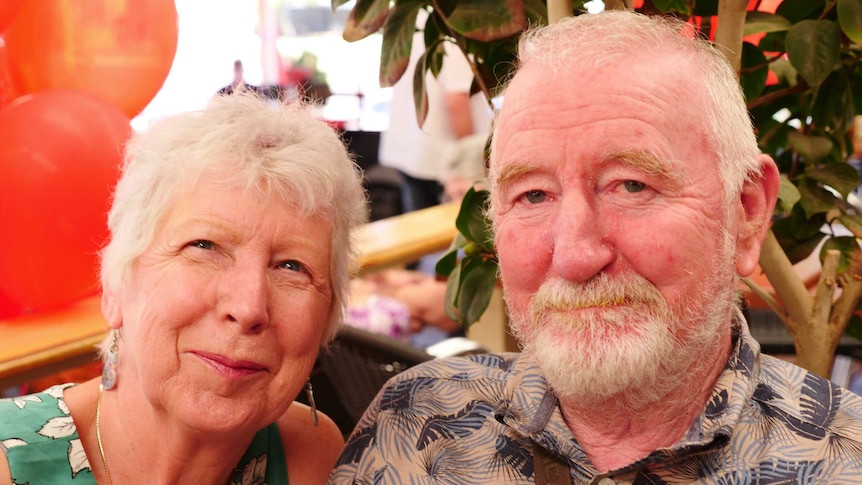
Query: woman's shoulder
x=310, y=449
x=38, y=439
x=32, y=415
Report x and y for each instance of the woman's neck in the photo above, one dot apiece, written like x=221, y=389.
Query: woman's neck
x=141, y=446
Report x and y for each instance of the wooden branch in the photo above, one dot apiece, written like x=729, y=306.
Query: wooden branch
x=728, y=34
x=825, y=288
x=767, y=298
x=617, y=4
x=851, y=294
x=786, y=282
x=815, y=344
x=558, y=9
x=845, y=306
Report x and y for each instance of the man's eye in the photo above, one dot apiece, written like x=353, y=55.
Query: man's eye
x=293, y=265
x=633, y=186
x=202, y=244
x=535, y=196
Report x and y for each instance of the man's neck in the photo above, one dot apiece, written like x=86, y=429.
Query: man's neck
x=614, y=432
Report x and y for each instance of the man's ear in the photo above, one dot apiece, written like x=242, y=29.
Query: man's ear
x=111, y=309
x=757, y=201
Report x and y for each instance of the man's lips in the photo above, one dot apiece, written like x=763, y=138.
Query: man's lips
x=230, y=366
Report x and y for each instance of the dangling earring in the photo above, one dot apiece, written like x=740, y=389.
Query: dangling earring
x=309, y=393
x=109, y=373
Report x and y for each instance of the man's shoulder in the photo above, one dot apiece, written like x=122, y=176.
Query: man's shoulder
x=447, y=385
x=464, y=368
x=809, y=403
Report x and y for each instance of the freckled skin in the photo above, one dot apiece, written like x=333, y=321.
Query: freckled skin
x=230, y=275
x=589, y=221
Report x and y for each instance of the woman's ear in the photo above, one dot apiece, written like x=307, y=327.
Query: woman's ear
x=111, y=309
x=757, y=199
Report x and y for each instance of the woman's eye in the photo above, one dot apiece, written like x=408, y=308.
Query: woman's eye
x=535, y=196
x=202, y=244
x=633, y=186
x=293, y=265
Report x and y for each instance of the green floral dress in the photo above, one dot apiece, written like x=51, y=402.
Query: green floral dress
x=40, y=440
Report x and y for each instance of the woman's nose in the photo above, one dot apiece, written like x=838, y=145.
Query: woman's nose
x=244, y=298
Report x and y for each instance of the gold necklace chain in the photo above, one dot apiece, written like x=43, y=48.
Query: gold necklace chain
x=99, y=435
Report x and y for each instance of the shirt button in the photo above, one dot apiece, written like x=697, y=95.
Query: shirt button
x=607, y=481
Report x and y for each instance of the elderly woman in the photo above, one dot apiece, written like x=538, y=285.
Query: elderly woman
x=226, y=271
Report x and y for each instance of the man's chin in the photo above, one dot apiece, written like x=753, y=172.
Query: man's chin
x=582, y=366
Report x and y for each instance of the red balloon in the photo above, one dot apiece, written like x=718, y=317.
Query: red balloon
x=7, y=90
x=9, y=308
x=8, y=10
x=60, y=153
x=120, y=51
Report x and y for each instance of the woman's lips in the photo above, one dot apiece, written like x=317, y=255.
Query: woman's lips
x=230, y=367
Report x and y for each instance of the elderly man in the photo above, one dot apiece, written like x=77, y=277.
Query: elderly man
x=628, y=195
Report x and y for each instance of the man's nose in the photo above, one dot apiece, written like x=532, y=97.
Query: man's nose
x=244, y=298
x=581, y=246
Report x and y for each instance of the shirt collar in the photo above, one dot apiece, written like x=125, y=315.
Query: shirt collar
x=534, y=411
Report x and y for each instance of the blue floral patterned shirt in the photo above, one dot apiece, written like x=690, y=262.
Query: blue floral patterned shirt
x=479, y=420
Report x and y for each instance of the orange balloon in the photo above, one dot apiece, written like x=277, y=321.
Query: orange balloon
x=8, y=10
x=60, y=153
x=119, y=50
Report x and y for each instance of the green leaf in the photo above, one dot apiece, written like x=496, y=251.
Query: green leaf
x=453, y=288
x=434, y=58
x=784, y=71
x=805, y=228
x=812, y=147
x=337, y=3
x=813, y=47
x=850, y=18
x=773, y=41
x=854, y=327
x=796, y=249
x=833, y=109
x=797, y=10
x=846, y=245
x=471, y=219
x=839, y=176
x=754, y=71
x=856, y=87
x=488, y=20
x=397, y=42
x=815, y=199
x=679, y=6
x=433, y=36
x=788, y=195
x=705, y=8
x=757, y=22
x=853, y=223
x=478, y=279
x=446, y=264
x=365, y=19
x=420, y=93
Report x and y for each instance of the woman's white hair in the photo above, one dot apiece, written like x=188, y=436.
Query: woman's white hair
x=616, y=36
x=255, y=144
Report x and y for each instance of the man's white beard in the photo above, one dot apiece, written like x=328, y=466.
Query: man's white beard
x=619, y=337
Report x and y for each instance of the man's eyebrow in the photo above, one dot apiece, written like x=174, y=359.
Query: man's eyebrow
x=646, y=162
x=511, y=173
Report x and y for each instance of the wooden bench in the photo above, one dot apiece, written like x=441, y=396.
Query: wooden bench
x=38, y=345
